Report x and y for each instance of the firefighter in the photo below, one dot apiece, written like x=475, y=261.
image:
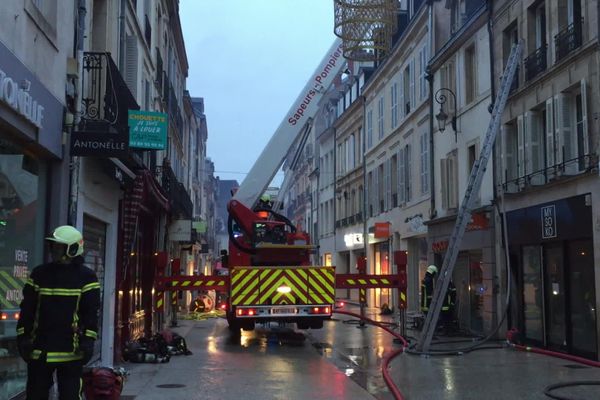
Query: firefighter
x=59, y=318
x=447, y=315
x=427, y=288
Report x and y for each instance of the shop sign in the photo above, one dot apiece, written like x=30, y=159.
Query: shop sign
x=181, y=230
x=147, y=130
x=99, y=144
x=479, y=222
x=439, y=247
x=22, y=92
x=16, y=95
x=353, y=239
x=382, y=230
x=548, y=215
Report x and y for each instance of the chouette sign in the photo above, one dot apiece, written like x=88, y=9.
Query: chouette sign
x=147, y=130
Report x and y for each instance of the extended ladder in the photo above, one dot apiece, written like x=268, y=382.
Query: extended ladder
x=464, y=213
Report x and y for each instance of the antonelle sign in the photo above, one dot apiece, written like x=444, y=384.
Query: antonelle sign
x=147, y=130
x=99, y=144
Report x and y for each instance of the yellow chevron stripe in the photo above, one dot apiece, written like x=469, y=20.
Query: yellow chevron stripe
x=239, y=286
x=327, y=286
x=296, y=278
x=159, y=303
x=174, y=283
x=362, y=281
x=267, y=289
x=198, y=283
x=350, y=281
x=284, y=295
x=186, y=283
x=210, y=283
x=403, y=296
x=267, y=283
x=246, y=291
x=251, y=299
x=374, y=281
x=221, y=283
x=238, y=274
x=385, y=281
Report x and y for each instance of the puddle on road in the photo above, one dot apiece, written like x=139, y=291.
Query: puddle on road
x=263, y=338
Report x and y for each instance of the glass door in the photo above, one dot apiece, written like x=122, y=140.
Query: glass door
x=582, y=298
x=533, y=299
x=556, y=327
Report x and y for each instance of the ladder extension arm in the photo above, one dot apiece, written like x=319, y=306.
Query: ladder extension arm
x=464, y=213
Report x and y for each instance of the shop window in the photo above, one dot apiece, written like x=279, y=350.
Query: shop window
x=22, y=216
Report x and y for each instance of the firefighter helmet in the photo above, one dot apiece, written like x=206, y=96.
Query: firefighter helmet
x=432, y=269
x=70, y=237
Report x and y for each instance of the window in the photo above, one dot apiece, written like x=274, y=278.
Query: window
x=381, y=187
x=470, y=74
x=423, y=84
x=409, y=87
x=394, y=104
x=509, y=152
x=359, y=147
x=510, y=36
x=394, y=180
x=380, y=119
x=448, y=80
x=449, y=176
x=369, y=129
x=424, y=143
x=44, y=13
x=404, y=175
x=131, y=63
x=370, y=192
x=351, y=152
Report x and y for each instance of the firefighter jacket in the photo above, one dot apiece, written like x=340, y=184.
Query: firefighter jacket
x=426, y=292
x=59, y=309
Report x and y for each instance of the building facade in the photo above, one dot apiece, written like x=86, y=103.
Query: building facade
x=547, y=170
x=36, y=49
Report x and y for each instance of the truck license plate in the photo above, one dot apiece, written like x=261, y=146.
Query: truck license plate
x=283, y=311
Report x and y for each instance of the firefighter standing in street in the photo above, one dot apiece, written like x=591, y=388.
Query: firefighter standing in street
x=427, y=288
x=59, y=318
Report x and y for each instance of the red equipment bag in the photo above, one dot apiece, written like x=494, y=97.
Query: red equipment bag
x=102, y=383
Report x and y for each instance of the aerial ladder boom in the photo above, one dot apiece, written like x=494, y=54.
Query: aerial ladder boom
x=305, y=107
x=464, y=213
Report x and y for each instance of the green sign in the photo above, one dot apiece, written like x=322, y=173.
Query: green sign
x=199, y=226
x=147, y=130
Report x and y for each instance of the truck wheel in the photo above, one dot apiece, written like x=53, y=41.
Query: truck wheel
x=303, y=325
x=234, y=324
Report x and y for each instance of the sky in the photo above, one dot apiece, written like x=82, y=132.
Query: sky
x=249, y=60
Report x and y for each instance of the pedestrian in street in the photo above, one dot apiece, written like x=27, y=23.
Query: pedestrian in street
x=59, y=318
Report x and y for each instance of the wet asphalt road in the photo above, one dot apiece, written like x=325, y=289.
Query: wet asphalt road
x=340, y=361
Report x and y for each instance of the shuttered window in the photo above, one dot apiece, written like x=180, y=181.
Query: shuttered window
x=131, y=63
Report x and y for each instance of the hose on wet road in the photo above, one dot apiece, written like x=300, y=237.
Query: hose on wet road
x=388, y=358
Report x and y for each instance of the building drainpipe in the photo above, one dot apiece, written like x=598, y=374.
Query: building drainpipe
x=75, y=164
x=365, y=204
x=122, y=36
x=494, y=158
x=429, y=77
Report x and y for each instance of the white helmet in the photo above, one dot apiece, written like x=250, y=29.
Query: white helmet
x=432, y=269
x=70, y=237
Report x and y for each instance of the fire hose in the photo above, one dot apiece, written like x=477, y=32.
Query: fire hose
x=386, y=361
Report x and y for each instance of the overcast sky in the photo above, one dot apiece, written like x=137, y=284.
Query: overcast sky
x=250, y=59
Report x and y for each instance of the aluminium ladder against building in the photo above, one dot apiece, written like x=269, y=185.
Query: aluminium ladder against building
x=464, y=213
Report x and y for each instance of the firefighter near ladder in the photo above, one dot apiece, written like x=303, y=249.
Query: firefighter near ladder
x=58, y=322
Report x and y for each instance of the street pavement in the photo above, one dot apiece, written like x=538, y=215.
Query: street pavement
x=341, y=361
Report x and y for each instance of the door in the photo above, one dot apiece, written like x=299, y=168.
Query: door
x=555, y=290
x=582, y=298
x=533, y=299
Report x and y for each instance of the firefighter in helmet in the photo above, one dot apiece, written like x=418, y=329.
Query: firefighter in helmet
x=427, y=288
x=59, y=318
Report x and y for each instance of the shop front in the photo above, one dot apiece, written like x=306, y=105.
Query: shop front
x=31, y=195
x=551, y=250
x=475, y=274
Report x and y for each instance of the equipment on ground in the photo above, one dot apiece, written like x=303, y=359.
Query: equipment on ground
x=464, y=213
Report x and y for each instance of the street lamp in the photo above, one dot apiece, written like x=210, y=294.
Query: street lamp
x=442, y=117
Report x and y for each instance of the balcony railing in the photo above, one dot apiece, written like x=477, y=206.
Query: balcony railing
x=178, y=196
x=569, y=39
x=574, y=166
x=105, y=97
x=535, y=63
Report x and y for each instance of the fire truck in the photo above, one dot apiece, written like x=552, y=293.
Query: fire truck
x=269, y=262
